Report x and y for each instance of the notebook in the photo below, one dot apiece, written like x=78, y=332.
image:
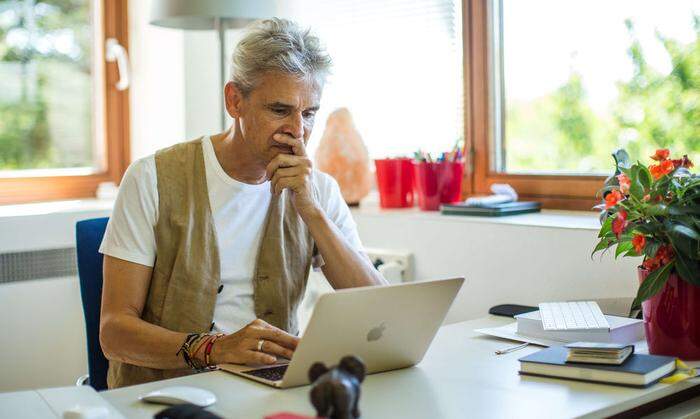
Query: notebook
x=495, y=210
x=598, y=353
x=638, y=371
x=622, y=330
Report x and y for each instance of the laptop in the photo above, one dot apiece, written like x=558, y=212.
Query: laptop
x=388, y=327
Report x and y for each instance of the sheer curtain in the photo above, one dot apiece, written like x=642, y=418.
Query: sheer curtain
x=397, y=67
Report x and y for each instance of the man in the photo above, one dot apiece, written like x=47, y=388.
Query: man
x=210, y=243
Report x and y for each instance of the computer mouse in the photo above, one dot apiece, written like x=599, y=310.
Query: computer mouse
x=181, y=394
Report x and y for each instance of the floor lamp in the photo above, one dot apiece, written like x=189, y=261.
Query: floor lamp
x=211, y=14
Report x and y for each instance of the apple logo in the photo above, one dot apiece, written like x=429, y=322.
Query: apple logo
x=376, y=333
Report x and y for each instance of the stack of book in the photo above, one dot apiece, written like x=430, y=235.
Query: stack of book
x=598, y=353
x=636, y=370
x=492, y=210
x=622, y=330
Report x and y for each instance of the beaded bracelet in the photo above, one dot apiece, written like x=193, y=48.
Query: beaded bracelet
x=187, y=350
x=210, y=346
x=200, y=345
x=191, y=346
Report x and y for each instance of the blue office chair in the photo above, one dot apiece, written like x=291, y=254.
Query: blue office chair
x=88, y=235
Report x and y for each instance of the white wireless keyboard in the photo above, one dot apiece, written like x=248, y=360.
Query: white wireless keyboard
x=575, y=315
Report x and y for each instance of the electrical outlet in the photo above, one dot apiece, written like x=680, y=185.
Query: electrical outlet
x=395, y=265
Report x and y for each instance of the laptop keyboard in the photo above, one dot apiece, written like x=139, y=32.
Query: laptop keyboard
x=272, y=373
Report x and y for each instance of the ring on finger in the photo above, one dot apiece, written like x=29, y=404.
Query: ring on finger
x=261, y=342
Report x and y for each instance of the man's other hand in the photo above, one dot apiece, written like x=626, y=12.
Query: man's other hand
x=242, y=347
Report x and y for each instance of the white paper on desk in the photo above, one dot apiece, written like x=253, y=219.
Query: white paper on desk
x=510, y=332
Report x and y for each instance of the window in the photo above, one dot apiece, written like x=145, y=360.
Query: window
x=557, y=86
x=63, y=124
x=398, y=69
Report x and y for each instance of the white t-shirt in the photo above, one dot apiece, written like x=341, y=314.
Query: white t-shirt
x=239, y=211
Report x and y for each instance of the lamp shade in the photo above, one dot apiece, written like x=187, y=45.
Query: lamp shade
x=202, y=14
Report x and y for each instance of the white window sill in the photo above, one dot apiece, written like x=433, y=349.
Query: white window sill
x=580, y=220
x=56, y=207
x=46, y=225
x=586, y=220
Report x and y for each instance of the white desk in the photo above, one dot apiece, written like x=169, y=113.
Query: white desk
x=459, y=377
x=51, y=402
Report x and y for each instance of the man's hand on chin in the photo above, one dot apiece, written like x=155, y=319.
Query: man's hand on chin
x=293, y=171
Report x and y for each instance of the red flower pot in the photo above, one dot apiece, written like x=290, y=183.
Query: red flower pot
x=672, y=318
x=437, y=183
x=395, y=182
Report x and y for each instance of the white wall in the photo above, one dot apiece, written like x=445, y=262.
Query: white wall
x=157, y=92
x=503, y=263
x=43, y=334
x=43, y=331
x=203, y=95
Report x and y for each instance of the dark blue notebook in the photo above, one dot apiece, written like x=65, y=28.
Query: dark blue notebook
x=637, y=371
x=496, y=210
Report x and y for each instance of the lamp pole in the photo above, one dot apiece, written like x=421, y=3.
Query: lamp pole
x=219, y=15
x=219, y=26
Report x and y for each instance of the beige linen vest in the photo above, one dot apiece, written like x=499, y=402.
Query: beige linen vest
x=186, y=276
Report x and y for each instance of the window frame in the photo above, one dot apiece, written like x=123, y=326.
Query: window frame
x=17, y=190
x=553, y=191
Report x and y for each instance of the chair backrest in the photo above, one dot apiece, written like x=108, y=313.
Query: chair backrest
x=88, y=235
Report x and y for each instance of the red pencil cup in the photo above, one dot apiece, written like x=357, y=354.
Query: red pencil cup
x=438, y=183
x=395, y=182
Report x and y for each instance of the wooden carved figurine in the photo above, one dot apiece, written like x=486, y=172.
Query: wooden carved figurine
x=335, y=392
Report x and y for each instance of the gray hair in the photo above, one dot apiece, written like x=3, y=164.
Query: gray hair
x=278, y=45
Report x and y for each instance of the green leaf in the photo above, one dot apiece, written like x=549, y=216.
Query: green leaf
x=631, y=253
x=684, y=239
x=636, y=187
x=622, y=159
x=645, y=177
x=688, y=269
x=652, y=285
x=650, y=228
x=606, y=227
x=684, y=210
x=603, y=244
x=623, y=247
x=658, y=210
x=651, y=247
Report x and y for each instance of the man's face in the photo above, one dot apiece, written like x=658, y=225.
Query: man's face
x=280, y=104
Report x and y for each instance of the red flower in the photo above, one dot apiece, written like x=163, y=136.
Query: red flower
x=625, y=183
x=684, y=162
x=620, y=223
x=663, y=256
x=639, y=241
x=661, y=169
x=661, y=154
x=651, y=264
x=612, y=198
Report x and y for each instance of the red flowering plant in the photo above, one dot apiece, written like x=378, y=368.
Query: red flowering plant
x=654, y=212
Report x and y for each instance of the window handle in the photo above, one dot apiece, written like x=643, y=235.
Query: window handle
x=115, y=52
